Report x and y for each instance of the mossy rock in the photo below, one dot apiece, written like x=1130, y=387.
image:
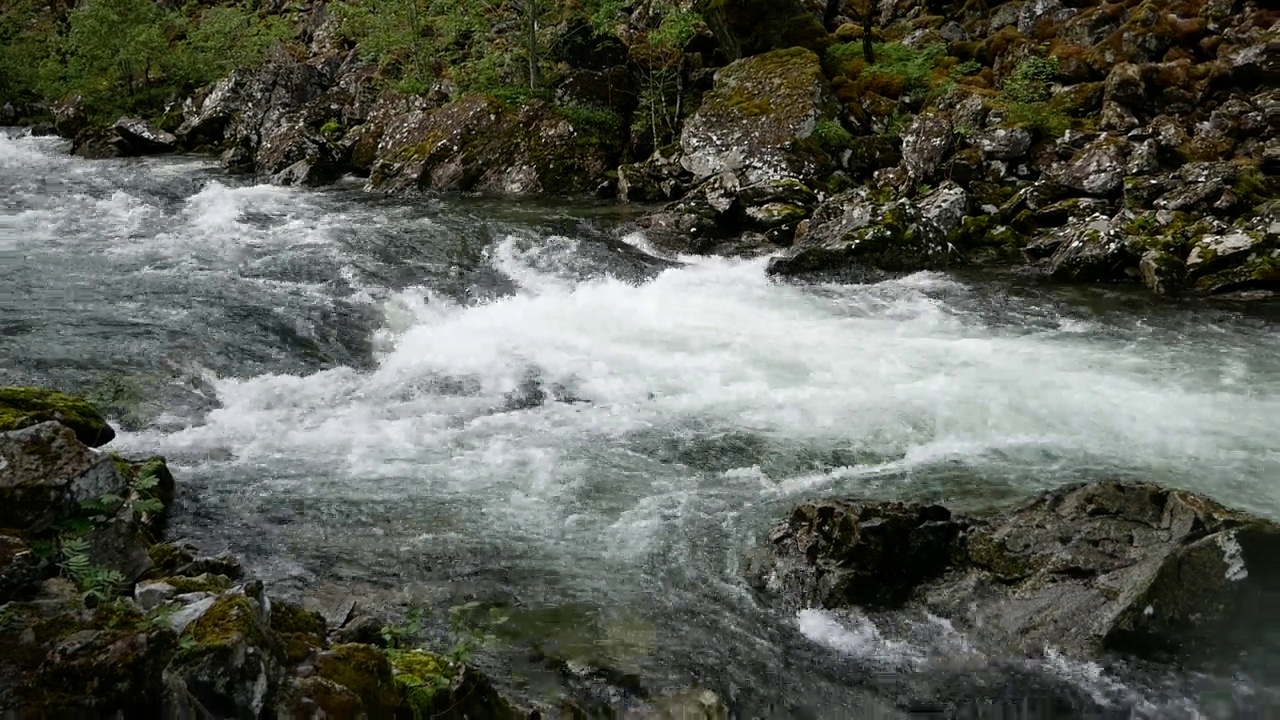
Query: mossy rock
x=205, y=582
x=289, y=618
x=22, y=407
x=366, y=671
x=230, y=621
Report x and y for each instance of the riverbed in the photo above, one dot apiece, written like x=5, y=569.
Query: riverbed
x=430, y=400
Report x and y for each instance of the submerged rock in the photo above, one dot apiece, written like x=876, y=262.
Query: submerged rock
x=1131, y=568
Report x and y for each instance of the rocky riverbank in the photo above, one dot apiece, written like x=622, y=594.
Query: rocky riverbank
x=1116, y=142
x=99, y=617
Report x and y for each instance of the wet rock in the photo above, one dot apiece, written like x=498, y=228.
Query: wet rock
x=854, y=233
x=661, y=177
x=45, y=473
x=135, y=136
x=25, y=406
x=1162, y=271
x=118, y=545
x=753, y=122
x=836, y=553
x=71, y=116
x=1096, y=250
x=361, y=629
x=1246, y=257
x=1159, y=574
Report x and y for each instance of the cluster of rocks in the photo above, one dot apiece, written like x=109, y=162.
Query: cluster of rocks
x=1127, y=569
x=1159, y=165
x=99, y=618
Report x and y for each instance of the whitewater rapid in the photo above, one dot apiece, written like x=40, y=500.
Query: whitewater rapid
x=438, y=397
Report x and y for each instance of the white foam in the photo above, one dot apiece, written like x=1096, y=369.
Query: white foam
x=855, y=635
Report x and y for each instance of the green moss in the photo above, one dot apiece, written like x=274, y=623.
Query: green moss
x=25, y=406
x=332, y=129
x=289, y=618
x=831, y=136
x=200, y=583
x=364, y=670
x=1252, y=186
x=230, y=621
x=421, y=677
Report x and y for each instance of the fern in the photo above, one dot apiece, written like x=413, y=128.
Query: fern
x=102, y=506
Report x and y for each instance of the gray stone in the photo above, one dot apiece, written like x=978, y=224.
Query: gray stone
x=751, y=122
x=1099, y=168
x=925, y=144
x=45, y=472
x=1096, y=250
x=152, y=594
x=1004, y=143
x=853, y=233
x=139, y=137
x=1160, y=574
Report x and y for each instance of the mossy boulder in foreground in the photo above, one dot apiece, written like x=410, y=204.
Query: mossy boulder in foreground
x=22, y=407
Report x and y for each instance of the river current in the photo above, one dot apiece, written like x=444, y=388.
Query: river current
x=435, y=400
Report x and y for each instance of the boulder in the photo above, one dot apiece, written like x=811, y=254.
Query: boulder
x=230, y=663
x=1098, y=169
x=26, y=406
x=756, y=120
x=1159, y=574
x=854, y=233
x=135, y=136
x=479, y=143
x=20, y=571
x=661, y=177
x=45, y=473
x=1095, y=250
x=925, y=144
x=1246, y=257
x=1001, y=143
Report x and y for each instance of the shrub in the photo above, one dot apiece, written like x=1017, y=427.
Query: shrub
x=1029, y=82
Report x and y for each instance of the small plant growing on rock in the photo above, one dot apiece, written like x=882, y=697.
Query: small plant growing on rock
x=1030, y=80
x=831, y=136
x=97, y=584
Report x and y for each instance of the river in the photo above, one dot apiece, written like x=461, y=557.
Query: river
x=435, y=400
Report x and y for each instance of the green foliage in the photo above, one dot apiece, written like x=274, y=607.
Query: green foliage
x=597, y=120
x=676, y=29
x=604, y=14
x=227, y=37
x=126, y=56
x=831, y=136
x=1030, y=80
x=96, y=583
x=27, y=37
x=1027, y=99
x=916, y=67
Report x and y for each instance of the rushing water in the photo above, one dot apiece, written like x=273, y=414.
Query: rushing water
x=435, y=400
